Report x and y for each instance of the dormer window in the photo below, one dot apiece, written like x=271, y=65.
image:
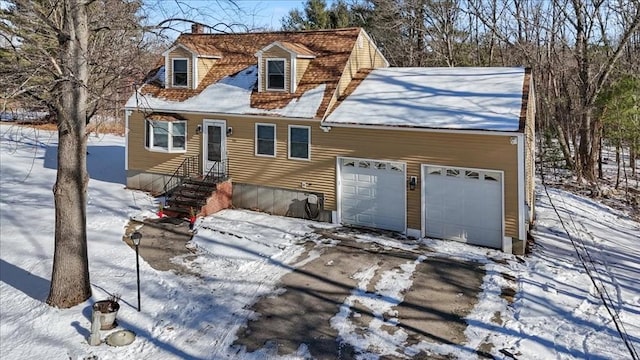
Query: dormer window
x=275, y=74
x=180, y=71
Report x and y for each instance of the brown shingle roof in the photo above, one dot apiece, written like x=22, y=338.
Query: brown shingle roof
x=332, y=49
x=199, y=47
x=299, y=49
x=158, y=116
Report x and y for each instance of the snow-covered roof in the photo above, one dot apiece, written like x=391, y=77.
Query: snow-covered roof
x=232, y=95
x=468, y=98
x=328, y=52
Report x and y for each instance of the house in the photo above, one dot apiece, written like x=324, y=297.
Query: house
x=315, y=124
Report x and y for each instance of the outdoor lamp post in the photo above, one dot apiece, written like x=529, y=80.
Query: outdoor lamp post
x=136, y=237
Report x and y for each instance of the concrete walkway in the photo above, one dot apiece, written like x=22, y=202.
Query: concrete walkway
x=162, y=240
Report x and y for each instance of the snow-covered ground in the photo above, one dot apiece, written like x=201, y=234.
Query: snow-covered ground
x=555, y=313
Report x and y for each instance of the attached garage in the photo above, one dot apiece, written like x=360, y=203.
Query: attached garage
x=463, y=204
x=372, y=193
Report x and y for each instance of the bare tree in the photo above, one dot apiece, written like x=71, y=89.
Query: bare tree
x=72, y=57
x=59, y=58
x=60, y=33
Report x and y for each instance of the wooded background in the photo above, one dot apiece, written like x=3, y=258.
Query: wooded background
x=79, y=59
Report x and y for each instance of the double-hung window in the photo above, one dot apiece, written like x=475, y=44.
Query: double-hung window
x=168, y=136
x=275, y=74
x=180, y=67
x=299, y=142
x=266, y=139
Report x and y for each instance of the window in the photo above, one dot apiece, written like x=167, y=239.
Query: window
x=275, y=74
x=299, y=142
x=469, y=174
x=434, y=170
x=453, y=172
x=266, y=139
x=364, y=164
x=180, y=77
x=166, y=136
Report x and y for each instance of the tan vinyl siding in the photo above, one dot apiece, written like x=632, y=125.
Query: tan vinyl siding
x=363, y=56
x=179, y=53
x=276, y=52
x=412, y=147
x=204, y=65
x=141, y=159
x=530, y=143
x=301, y=67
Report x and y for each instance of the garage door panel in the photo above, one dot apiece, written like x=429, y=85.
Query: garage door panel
x=373, y=194
x=462, y=205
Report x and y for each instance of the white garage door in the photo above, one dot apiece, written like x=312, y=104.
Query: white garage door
x=372, y=193
x=463, y=205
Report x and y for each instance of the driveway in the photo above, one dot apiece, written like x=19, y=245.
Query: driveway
x=344, y=296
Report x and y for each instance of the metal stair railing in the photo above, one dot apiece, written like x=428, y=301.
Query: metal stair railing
x=219, y=171
x=189, y=166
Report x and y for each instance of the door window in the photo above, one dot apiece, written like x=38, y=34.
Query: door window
x=214, y=140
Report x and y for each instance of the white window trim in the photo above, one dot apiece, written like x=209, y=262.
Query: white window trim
x=173, y=71
x=275, y=143
x=266, y=74
x=289, y=142
x=169, y=148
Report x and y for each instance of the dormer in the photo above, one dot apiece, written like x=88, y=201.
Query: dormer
x=187, y=63
x=281, y=66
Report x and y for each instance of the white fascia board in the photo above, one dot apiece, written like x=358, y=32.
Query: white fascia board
x=209, y=57
x=275, y=43
x=279, y=44
x=522, y=211
x=166, y=53
x=292, y=80
x=421, y=129
x=260, y=72
x=231, y=116
x=194, y=72
x=166, y=72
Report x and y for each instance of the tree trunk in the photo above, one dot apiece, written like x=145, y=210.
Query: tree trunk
x=617, y=166
x=563, y=141
x=587, y=149
x=70, y=277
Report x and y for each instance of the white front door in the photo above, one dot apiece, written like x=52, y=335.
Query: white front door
x=215, y=147
x=463, y=205
x=372, y=193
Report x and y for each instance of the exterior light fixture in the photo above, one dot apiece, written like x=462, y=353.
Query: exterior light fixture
x=413, y=181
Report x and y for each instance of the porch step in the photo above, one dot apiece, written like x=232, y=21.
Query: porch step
x=191, y=194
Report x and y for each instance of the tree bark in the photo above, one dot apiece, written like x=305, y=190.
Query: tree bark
x=70, y=277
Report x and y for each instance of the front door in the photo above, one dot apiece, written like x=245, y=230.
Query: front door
x=215, y=147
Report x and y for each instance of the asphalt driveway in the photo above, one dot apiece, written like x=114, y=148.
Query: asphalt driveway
x=346, y=297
